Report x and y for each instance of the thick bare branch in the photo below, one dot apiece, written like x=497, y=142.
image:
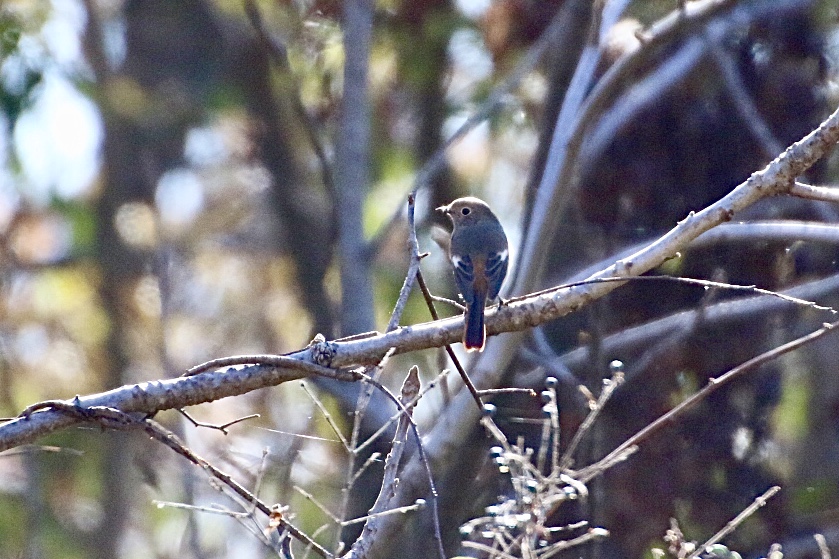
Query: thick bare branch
x=323, y=358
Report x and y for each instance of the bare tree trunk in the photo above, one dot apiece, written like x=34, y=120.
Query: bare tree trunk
x=353, y=170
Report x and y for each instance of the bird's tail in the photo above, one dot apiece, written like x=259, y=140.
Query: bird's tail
x=474, y=335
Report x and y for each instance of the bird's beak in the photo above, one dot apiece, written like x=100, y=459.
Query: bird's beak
x=444, y=209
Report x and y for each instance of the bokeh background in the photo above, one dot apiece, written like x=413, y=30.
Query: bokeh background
x=174, y=187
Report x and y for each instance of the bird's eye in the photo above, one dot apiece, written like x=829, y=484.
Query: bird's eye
x=465, y=211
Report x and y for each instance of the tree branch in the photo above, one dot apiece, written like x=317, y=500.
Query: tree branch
x=327, y=358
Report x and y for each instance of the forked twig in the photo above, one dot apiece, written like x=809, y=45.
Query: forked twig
x=609, y=387
x=223, y=427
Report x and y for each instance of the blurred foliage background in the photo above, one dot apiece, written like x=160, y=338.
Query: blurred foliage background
x=171, y=191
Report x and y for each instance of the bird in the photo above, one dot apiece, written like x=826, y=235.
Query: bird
x=479, y=255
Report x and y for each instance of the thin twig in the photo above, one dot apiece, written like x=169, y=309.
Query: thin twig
x=691, y=281
x=670, y=417
x=318, y=504
x=592, y=534
x=497, y=391
x=223, y=427
x=301, y=436
x=553, y=418
x=328, y=416
x=210, y=509
x=364, y=398
x=460, y=370
x=32, y=449
x=418, y=505
x=609, y=387
x=670, y=327
x=736, y=521
x=448, y=301
x=260, y=475
x=545, y=438
x=372, y=459
x=414, y=258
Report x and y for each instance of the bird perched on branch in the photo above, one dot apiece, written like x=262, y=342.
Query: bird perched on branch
x=478, y=252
